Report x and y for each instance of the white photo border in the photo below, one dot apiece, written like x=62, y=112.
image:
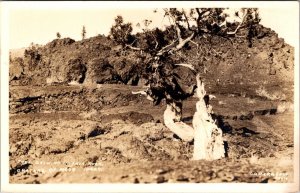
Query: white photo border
x=6, y=7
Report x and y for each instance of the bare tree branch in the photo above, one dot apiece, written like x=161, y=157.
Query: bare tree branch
x=190, y=66
x=132, y=47
x=240, y=24
x=187, y=20
x=183, y=42
x=166, y=48
x=155, y=39
x=176, y=24
x=200, y=14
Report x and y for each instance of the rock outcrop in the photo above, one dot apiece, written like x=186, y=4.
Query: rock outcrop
x=266, y=61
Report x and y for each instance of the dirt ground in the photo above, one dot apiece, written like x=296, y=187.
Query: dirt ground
x=103, y=133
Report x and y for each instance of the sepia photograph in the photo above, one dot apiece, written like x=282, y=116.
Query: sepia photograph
x=151, y=93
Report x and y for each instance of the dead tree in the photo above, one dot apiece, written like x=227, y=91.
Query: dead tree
x=208, y=141
x=83, y=32
x=162, y=82
x=164, y=85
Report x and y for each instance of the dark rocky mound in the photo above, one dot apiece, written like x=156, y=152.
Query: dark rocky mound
x=266, y=61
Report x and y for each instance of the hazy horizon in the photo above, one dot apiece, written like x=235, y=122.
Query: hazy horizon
x=40, y=25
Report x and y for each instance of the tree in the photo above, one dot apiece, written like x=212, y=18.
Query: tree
x=163, y=82
x=208, y=141
x=10, y=57
x=83, y=32
x=58, y=36
x=32, y=55
x=121, y=32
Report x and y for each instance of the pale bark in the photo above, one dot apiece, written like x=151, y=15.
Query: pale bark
x=208, y=141
x=186, y=19
x=133, y=48
x=190, y=66
x=240, y=24
x=173, y=121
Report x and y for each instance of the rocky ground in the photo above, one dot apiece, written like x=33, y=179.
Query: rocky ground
x=73, y=117
x=103, y=133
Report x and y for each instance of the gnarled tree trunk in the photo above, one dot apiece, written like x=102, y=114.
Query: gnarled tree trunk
x=172, y=120
x=208, y=141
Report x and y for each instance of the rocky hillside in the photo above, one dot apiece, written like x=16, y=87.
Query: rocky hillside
x=266, y=66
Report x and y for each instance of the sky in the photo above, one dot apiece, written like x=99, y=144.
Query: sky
x=39, y=22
